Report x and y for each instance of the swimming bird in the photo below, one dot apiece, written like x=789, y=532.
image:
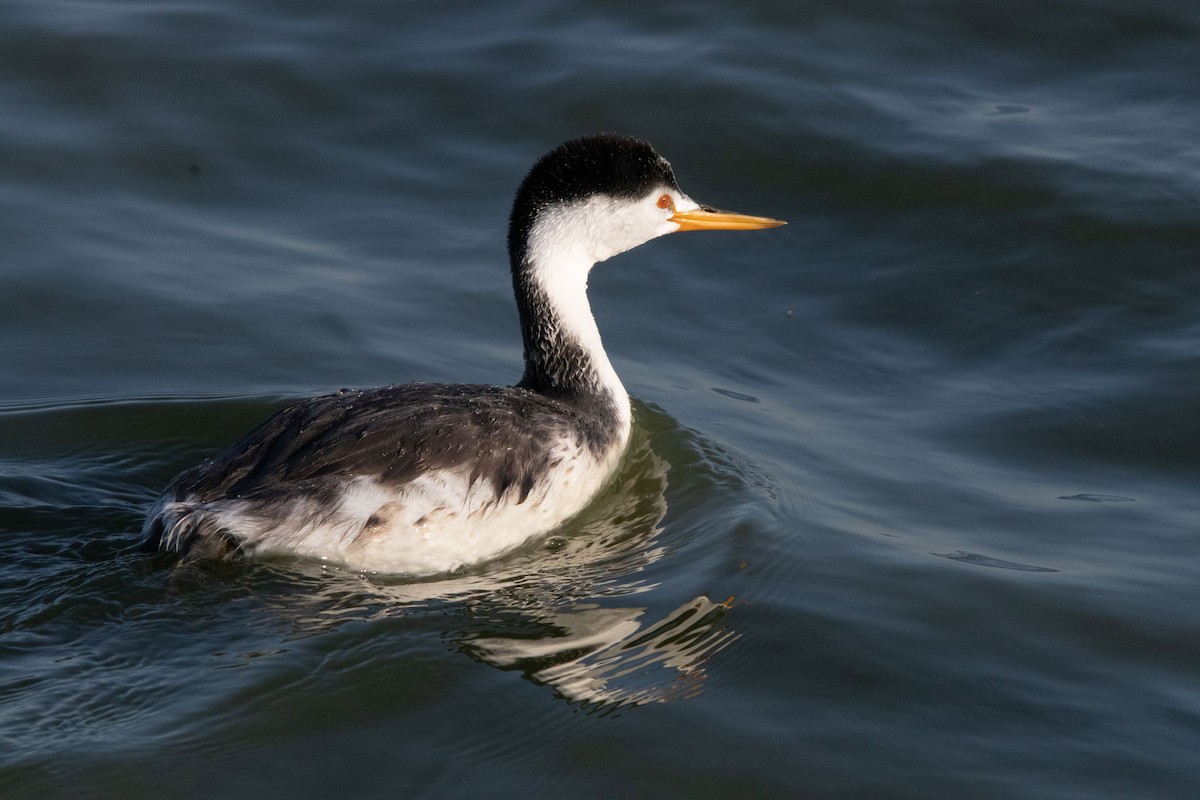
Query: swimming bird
x=426, y=478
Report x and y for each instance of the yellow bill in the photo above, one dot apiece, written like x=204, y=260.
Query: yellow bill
x=710, y=219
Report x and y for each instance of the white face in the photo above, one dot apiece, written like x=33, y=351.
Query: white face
x=600, y=227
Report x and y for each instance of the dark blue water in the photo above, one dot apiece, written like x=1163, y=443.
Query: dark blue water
x=912, y=509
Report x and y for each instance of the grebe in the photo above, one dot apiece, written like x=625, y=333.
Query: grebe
x=426, y=478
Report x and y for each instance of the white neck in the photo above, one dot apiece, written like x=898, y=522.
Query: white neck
x=560, y=254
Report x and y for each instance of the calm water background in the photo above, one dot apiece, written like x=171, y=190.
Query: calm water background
x=937, y=439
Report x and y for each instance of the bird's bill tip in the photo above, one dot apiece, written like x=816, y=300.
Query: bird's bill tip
x=710, y=219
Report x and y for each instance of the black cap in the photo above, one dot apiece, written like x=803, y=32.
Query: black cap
x=601, y=164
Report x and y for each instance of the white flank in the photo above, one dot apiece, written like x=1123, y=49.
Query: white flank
x=433, y=524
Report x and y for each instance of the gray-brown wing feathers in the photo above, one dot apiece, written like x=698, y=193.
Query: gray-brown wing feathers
x=391, y=434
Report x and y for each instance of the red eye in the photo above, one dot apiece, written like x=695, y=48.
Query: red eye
x=664, y=201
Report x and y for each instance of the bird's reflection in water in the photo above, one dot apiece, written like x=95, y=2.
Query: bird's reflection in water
x=606, y=658
x=559, y=610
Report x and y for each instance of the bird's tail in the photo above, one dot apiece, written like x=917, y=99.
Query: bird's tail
x=189, y=530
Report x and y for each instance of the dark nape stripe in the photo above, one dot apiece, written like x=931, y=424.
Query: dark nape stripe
x=558, y=367
x=602, y=164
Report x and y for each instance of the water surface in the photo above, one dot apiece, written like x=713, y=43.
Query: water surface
x=912, y=510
